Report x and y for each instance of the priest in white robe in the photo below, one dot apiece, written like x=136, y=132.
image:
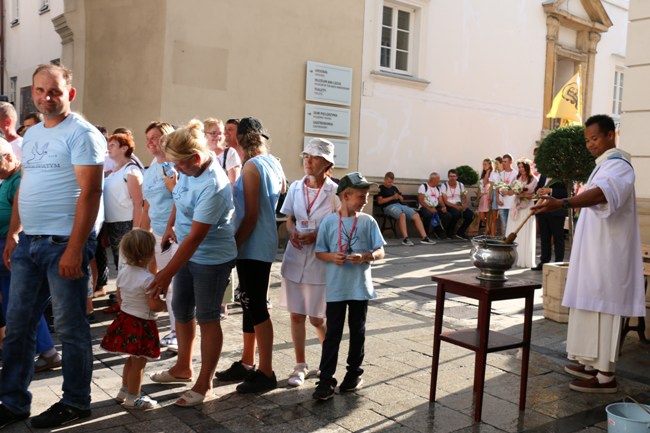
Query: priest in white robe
x=605, y=278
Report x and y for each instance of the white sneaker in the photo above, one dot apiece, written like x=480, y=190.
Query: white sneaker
x=167, y=339
x=140, y=403
x=170, y=341
x=300, y=373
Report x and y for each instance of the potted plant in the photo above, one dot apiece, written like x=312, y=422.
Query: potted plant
x=562, y=155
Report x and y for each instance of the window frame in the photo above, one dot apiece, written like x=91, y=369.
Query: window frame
x=617, y=92
x=15, y=13
x=13, y=89
x=395, y=31
x=44, y=7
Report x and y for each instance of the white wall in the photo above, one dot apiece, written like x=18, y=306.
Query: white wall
x=485, y=65
x=32, y=42
x=611, y=53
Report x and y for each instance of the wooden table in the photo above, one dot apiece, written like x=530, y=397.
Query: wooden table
x=481, y=340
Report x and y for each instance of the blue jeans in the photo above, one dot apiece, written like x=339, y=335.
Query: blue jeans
x=34, y=278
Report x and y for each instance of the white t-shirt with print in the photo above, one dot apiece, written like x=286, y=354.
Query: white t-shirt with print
x=431, y=194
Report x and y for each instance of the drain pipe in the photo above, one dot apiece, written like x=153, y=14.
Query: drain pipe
x=2, y=47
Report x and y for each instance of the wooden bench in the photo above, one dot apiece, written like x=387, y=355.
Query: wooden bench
x=386, y=222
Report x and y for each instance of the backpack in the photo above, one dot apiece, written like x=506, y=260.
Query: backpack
x=225, y=155
x=133, y=162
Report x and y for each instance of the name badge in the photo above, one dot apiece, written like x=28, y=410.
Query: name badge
x=306, y=226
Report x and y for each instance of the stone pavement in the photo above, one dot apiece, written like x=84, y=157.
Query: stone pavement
x=397, y=366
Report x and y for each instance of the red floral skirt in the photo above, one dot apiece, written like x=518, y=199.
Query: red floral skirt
x=132, y=336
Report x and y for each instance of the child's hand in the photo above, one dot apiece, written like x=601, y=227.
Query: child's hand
x=355, y=259
x=338, y=258
x=158, y=285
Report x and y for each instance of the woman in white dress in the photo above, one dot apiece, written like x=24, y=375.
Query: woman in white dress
x=302, y=292
x=523, y=188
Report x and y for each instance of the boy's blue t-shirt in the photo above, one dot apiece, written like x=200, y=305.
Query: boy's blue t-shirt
x=158, y=196
x=207, y=199
x=349, y=282
x=49, y=189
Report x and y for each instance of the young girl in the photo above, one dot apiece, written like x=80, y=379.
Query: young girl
x=485, y=202
x=134, y=330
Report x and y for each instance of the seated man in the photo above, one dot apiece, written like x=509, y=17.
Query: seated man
x=390, y=200
x=455, y=199
x=429, y=205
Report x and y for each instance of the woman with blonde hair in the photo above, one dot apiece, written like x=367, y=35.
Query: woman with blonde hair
x=256, y=196
x=201, y=222
x=228, y=158
x=157, y=185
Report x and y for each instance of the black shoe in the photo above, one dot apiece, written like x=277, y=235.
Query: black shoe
x=538, y=267
x=59, y=414
x=8, y=417
x=236, y=373
x=324, y=389
x=257, y=382
x=350, y=384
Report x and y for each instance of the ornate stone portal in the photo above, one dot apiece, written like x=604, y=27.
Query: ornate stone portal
x=581, y=52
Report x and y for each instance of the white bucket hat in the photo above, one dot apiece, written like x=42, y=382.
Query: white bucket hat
x=319, y=147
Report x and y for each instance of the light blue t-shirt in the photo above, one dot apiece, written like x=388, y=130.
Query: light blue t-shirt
x=262, y=244
x=158, y=196
x=207, y=199
x=349, y=282
x=49, y=190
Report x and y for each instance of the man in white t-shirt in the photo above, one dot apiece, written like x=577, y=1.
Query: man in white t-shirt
x=455, y=199
x=8, y=122
x=505, y=199
x=230, y=134
x=429, y=204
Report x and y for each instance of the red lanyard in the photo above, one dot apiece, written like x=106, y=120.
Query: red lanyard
x=311, y=204
x=343, y=249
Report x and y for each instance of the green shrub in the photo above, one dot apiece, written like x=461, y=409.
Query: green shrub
x=563, y=155
x=467, y=175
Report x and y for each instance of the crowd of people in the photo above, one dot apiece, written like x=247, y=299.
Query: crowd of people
x=206, y=205
x=202, y=211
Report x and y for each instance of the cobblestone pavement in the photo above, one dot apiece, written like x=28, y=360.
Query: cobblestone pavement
x=397, y=366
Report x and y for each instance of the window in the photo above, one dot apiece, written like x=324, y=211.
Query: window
x=397, y=34
x=15, y=8
x=617, y=99
x=13, y=82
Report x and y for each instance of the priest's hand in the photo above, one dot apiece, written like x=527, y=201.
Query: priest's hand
x=546, y=203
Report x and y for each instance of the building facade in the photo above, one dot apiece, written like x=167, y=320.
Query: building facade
x=636, y=106
x=28, y=39
x=451, y=83
x=432, y=84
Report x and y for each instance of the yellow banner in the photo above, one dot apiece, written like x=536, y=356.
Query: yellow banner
x=566, y=104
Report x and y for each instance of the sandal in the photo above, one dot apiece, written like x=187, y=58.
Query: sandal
x=190, y=399
x=166, y=377
x=122, y=394
x=44, y=363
